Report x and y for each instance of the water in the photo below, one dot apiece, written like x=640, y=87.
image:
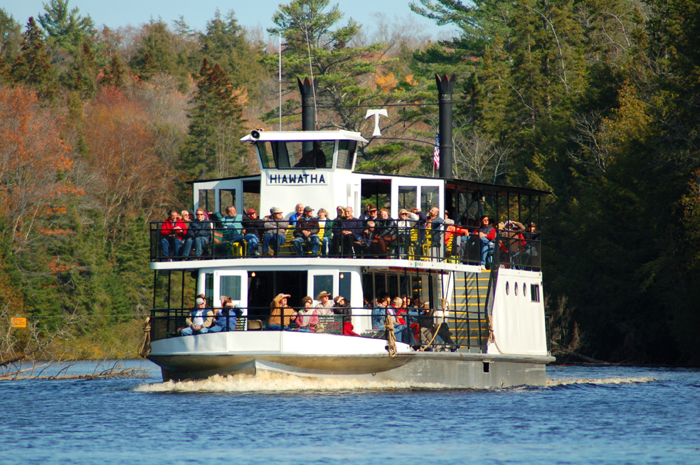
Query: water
x=584, y=415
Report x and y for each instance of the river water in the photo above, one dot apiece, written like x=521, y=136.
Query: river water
x=584, y=415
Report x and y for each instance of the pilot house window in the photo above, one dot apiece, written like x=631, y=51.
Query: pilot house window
x=286, y=154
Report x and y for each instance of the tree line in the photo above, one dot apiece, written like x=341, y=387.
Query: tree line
x=594, y=101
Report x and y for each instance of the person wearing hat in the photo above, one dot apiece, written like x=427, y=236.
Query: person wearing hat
x=275, y=231
x=200, y=319
x=306, y=233
x=370, y=214
x=279, y=312
x=324, y=309
x=254, y=225
x=307, y=318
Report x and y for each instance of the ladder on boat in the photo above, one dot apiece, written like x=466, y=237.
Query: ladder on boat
x=468, y=318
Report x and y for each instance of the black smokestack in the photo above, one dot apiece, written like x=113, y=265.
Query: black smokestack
x=308, y=110
x=445, y=88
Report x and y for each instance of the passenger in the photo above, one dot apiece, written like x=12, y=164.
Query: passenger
x=387, y=233
x=327, y=231
x=198, y=233
x=402, y=331
x=307, y=318
x=531, y=248
x=405, y=224
x=298, y=213
x=342, y=308
x=254, y=225
x=487, y=234
x=227, y=314
x=366, y=240
x=512, y=233
x=234, y=230
x=306, y=233
x=336, y=231
x=186, y=216
x=172, y=231
x=380, y=311
x=275, y=232
x=324, y=311
x=436, y=227
x=200, y=319
x=279, y=308
x=312, y=158
x=370, y=214
x=428, y=327
x=349, y=232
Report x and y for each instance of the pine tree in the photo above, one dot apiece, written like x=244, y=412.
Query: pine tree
x=66, y=29
x=33, y=66
x=113, y=74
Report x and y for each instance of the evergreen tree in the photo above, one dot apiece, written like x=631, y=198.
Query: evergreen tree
x=216, y=124
x=113, y=74
x=83, y=72
x=66, y=30
x=33, y=66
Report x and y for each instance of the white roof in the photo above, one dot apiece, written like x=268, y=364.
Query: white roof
x=306, y=136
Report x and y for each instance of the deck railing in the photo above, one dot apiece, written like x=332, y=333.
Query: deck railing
x=453, y=331
x=517, y=249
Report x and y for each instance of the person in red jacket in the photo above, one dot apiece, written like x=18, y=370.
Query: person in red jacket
x=172, y=233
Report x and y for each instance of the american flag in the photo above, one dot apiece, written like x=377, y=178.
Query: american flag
x=436, y=153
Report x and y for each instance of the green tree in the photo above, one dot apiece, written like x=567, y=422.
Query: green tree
x=66, y=29
x=213, y=148
x=33, y=66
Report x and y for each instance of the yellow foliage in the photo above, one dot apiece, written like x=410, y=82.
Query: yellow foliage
x=386, y=83
x=411, y=80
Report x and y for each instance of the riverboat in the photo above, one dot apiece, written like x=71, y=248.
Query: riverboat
x=494, y=313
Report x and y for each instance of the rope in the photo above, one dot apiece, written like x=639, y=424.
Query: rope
x=445, y=304
x=145, y=346
x=390, y=336
x=492, y=335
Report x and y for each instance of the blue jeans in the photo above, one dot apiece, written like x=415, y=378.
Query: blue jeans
x=403, y=333
x=169, y=243
x=312, y=239
x=279, y=239
x=486, y=248
x=199, y=242
x=251, y=239
x=326, y=246
x=189, y=331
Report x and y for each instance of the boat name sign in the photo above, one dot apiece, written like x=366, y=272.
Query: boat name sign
x=296, y=179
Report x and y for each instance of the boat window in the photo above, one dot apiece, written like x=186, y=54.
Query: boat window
x=524, y=290
x=534, y=293
x=227, y=197
x=265, y=155
x=322, y=283
x=209, y=288
x=515, y=288
x=296, y=154
x=429, y=197
x=407, y=197
x=346, y=154
x=231, y=286
x=207, y=199
x=345, y=285
x=507, y=287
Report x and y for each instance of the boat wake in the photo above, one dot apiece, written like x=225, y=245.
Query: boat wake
x=277, y=382
x=599, y=381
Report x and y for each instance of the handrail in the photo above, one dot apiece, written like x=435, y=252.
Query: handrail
x=416, y=241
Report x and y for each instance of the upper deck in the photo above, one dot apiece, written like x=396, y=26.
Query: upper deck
x=317, y=169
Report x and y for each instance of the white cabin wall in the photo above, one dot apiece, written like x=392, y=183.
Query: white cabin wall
x=518, y=322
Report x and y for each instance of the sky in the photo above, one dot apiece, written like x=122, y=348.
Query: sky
x=250, y=13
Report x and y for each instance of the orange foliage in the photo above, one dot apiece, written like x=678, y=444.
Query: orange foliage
x=128, y=176
x=386, y=83
x=32, y=157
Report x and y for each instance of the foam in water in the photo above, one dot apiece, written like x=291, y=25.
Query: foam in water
x=276, y=382
x=619, y=381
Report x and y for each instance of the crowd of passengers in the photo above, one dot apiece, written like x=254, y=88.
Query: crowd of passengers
x=372, y=234
x=414, y=323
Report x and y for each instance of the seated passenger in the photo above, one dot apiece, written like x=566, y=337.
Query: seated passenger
x=379, y=312
x=281, y=313
x=254, y=225
x=200, y=319
x=233, y=229
x=275, y=232
x=387, y=233
x=336, y=230
x=172, y=232
x=324, y=311
x=406, y=222
x=348, y=232
x=487, y=234
x=307, y=318
x=306, y=233
x=402, y=331
x=327, y=231
x=298, y=213
x=198, y=233
x=226, y=317
x=366, y=240
x=428, y=327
